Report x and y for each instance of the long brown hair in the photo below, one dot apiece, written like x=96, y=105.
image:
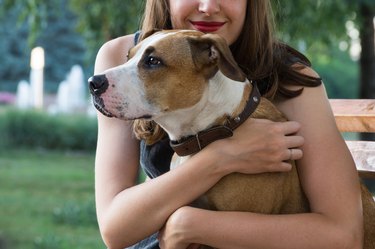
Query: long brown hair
x=259, y=54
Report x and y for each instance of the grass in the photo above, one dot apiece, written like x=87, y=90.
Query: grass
x=47, y=200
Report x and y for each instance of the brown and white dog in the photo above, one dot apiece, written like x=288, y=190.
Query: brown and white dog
x=188, y=82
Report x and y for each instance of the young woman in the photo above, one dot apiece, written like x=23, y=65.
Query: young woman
x=128, y=213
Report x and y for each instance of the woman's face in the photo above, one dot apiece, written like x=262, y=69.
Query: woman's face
x=222, y=17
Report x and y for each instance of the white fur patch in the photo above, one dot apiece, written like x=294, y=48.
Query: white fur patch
x=221, y=97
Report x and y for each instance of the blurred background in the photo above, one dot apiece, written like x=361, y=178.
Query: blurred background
x=48, y=126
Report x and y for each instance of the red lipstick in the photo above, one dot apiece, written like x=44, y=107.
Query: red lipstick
x=207, y=26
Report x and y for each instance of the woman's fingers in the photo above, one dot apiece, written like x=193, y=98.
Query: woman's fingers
x=293, y=154
x=260, y=146
x=290, y=127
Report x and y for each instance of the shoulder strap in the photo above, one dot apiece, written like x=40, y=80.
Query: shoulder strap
x=136, y=37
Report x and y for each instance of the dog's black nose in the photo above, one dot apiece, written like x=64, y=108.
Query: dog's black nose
x=98, y=84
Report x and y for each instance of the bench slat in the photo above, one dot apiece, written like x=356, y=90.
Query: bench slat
x=354, y=115
x=363, y=153
x=358, y=115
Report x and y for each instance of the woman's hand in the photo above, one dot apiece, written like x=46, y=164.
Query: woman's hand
x=175, y=233
x=259, y=146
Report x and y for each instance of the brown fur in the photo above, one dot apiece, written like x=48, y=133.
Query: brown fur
x=275, y=193
x=267, y=193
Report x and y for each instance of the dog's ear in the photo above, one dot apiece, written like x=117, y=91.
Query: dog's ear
x=212, y=50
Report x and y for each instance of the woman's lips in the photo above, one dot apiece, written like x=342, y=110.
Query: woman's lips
x=207, y=26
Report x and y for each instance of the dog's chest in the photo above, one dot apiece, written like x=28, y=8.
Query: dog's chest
x=177, y=161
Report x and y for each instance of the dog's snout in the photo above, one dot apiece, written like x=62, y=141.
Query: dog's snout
x=98, y=84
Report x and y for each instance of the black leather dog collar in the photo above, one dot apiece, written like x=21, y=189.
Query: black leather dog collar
x=194, y=143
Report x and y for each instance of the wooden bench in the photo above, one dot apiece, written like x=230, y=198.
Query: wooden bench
x=358, y=115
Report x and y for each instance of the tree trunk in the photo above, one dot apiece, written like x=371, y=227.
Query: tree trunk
x=367, y=60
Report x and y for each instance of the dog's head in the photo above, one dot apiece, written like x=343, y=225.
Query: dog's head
x=168, y=70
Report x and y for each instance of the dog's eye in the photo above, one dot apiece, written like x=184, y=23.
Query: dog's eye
x=153, y=61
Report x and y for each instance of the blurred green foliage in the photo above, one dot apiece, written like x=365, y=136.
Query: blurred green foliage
x=319, y=22
x=100, y=21
x=34, y=129
x=339, y=72
x=63, y=45
x=70, y=31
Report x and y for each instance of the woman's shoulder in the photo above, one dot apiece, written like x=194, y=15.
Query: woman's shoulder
x=312, y=91
x=119, y=43
x=113, y=52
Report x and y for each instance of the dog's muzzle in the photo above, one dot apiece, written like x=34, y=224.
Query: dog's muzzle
x=98, y=84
